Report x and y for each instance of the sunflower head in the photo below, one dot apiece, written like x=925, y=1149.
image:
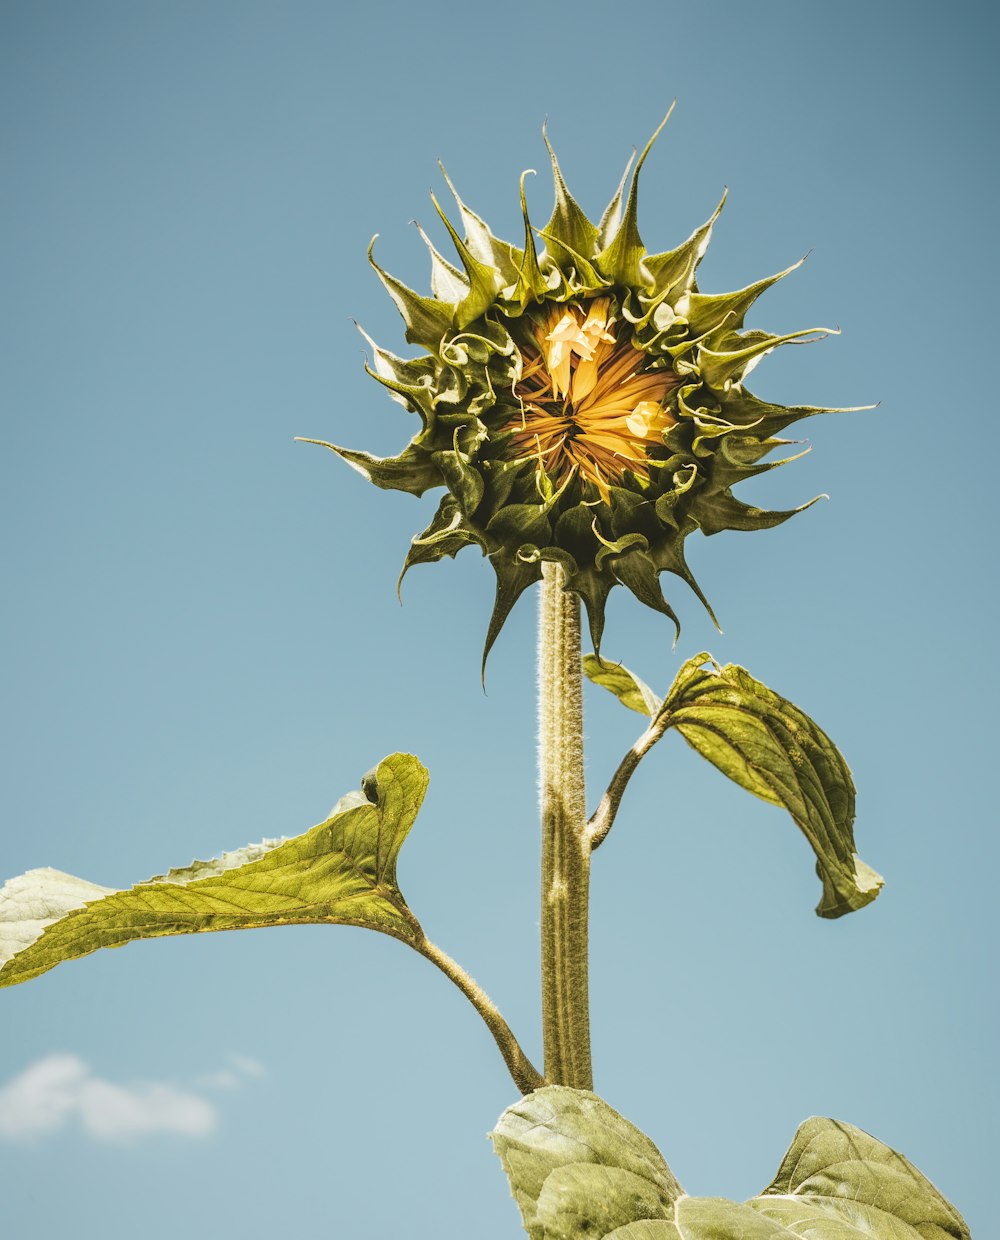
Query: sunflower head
x=581, y=401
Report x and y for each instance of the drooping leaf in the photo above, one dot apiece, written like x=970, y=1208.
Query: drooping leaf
x=579, y=1171
x=772, y=749
x=342, y=872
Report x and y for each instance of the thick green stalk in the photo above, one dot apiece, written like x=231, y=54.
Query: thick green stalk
x=565, y=844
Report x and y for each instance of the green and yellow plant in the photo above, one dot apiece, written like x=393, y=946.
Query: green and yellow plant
x=583, y=405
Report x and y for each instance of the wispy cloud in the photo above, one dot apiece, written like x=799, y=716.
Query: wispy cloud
x=58, y=1090
x=241, y=1067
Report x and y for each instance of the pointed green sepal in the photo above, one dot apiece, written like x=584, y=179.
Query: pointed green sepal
x=514, y=576
x=483, y=279
x=427, y=319
x=409, y=380
x=674, y=270
x=707, y=311
x=447, y=282
x=743, y=407
x=531, y=283
x=719, y=369
x=638, y=573
x=621, y=259
x=611, y=219
x=446, y=535
x=722, y=511
x=570, y=236
x=411, y=471
x=670, y=558
x=481, y=241
x=463, y=481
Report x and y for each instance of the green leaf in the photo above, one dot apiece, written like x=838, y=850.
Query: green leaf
x=603, y=1167
x=834, y=1171
x=769, y=747
x=625, y=685
x=341, y=872
x=579, y=1171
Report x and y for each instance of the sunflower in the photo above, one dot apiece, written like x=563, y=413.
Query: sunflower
x=582, y=403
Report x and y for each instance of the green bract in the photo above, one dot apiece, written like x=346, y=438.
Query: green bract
x=673, y=472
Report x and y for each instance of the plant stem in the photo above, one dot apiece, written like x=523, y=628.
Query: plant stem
x=565, y=845
x=604, y=816
x=526, y=1077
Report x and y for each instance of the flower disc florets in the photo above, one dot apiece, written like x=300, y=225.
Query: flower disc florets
x=583, y=405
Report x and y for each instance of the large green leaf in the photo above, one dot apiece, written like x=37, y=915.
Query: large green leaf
x=600, y=1161
x=342, y=871
x=834, y=1171
x=769, y=747
x=579, y=1171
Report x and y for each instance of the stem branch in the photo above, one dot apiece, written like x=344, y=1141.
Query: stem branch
x=604, y=816
x=566, y=846
x=526, y=1077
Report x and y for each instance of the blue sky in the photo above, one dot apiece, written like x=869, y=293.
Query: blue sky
x=202, y=646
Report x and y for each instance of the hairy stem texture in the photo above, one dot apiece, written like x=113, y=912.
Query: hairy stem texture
x=525, y=1076
x=565, y=844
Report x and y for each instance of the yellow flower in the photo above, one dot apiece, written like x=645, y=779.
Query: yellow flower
x=589, y=404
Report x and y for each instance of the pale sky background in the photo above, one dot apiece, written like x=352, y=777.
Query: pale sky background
x=202, y=646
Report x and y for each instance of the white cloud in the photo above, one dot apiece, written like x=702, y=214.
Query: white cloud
x=53, y=1092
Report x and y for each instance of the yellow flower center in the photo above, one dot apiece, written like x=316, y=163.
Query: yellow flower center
x=587, y=405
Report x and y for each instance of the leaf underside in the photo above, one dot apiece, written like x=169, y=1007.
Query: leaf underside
x=579, y=1171
x=342, y=872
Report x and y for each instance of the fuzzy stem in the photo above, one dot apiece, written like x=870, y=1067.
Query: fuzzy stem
x=524, y=1074
x=604, y=816
x=565, y=844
